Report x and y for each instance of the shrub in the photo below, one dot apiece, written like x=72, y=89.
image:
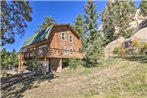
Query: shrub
x=139, y=47
x=137, y=43
x=32, y=64
x=119, y=51
x=73, y=63
x=144, y=48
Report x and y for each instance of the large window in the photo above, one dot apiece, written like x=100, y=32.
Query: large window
x=63, y=36
x=70, y=39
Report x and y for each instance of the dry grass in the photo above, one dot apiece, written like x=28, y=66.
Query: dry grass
x=116, y=78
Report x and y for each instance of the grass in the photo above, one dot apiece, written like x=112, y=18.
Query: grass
x=112, y=78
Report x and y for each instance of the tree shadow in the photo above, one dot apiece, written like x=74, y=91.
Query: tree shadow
x=140, y=58
x=14, y=86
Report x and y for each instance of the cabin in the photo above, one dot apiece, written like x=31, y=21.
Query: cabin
x=52, y=46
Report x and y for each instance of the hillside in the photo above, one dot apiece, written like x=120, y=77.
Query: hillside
x=114, y=78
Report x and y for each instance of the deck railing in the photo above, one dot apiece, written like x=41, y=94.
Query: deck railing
x=51, y=53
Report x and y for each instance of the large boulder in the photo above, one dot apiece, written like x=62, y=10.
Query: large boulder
x=140, y=35
x=108, y=51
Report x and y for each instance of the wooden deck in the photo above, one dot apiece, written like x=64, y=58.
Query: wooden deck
x=51, y=53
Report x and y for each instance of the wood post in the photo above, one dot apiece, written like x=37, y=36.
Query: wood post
x=20, y=62
x=21, y=65
x=59, y=68
x=44, y=67
x=49, y=66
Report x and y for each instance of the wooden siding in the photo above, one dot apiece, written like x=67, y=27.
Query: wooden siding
x=55, y=47
x=57, y=42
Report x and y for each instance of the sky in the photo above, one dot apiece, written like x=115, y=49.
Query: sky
x=64, y=12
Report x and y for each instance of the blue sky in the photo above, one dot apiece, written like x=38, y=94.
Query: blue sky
x=62, y=11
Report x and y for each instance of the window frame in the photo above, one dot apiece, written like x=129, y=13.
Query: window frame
x=70, y=37
x=63, y=36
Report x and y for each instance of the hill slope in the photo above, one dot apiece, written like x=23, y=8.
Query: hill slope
x=116, y=78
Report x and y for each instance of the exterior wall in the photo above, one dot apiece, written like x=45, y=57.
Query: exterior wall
x=57, y=42
x=55, y=46
x=56, y=65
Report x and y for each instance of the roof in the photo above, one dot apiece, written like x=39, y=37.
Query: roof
x=43, y=35
x=38, y=36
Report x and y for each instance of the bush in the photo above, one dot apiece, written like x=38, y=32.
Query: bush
x=144, y=48
x=137, y=44
x=32, y=64
x=119, y=51
x=73, y=63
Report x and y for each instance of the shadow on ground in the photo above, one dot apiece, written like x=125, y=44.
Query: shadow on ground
x=14, y=86
x=140, y=58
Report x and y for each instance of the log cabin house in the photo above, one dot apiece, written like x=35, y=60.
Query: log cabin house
x=52, y=46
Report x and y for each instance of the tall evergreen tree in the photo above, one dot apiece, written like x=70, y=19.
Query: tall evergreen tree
x=107, y=24
x=79, y=26
x=93, y=45
x=116, y=17
x=143, y=7
x=47, y=22
x=14, y=15
x=8, y=58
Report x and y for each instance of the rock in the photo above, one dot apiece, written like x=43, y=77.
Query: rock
x=108, y=51
x=140, y=35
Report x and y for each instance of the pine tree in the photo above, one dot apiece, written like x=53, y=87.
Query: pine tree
x=8, y=58
x=107, y=24
x=116, y=17
x=14, y=18
x=143, y=7
x=93, y=45
x=79, y=26
x=47, y=22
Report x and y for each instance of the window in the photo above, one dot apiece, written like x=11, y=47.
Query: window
x=63, y=36
x=70, y=39
x=71, y=49
x=65, y=50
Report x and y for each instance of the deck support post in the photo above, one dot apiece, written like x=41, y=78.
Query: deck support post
x=44, y=67
x=20, y=62
x=59, y=68
x=49, y=66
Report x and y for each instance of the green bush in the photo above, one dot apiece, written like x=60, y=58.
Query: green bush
x=73, y=63
x=32, y=64
x=119, y=51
